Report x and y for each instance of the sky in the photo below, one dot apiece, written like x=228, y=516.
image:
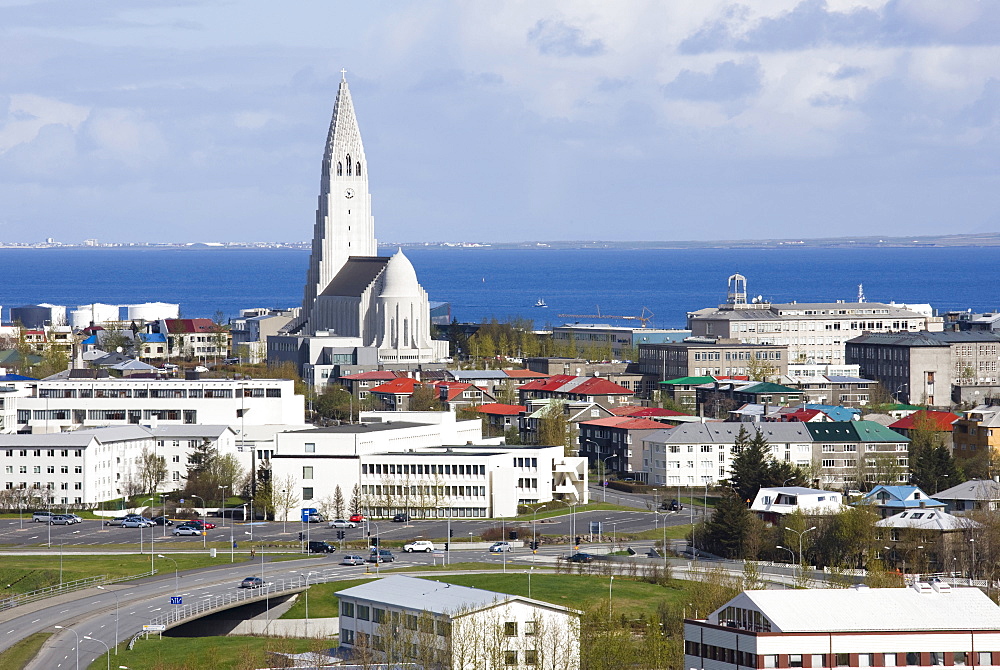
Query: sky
x=190, y=120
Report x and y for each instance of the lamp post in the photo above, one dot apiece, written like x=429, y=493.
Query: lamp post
x=800, y=534
x=284, y=517
x=163, y=505
x=610, y=586
x=972, y=575
x=177, y=587
x=307, y=600
x=604, y=471
x=204, y=530
x=378, y=547
x=791, y=559
x=77, y=648
x=898, y=389
x=87, y=637
x=148, y=500
x=222, y=504
x=115, y=594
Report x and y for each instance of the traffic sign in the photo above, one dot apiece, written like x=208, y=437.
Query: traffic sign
x=176, y=600
x=154, y=626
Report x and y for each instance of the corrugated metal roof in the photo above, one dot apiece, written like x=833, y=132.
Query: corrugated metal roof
x=423, y=594
x=974, y=489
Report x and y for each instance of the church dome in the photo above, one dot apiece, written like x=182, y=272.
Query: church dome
x=400, y=278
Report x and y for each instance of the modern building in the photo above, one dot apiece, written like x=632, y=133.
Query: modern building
x=811, y=332
x=709, y=356
x=614, y=342
x=354, y=298
x=857, y=627
x=607, y=443
x=402, y=620
x=833, y=389
x=921, y=367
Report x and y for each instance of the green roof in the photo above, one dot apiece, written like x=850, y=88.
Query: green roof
x=689, y=380
x=853, y=431
x=768, y=387
x=904, y=407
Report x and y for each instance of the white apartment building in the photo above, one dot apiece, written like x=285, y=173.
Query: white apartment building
x=68, y=404
x=859, y=627
x=85, y=467
x=402, y=620
x=695, y=454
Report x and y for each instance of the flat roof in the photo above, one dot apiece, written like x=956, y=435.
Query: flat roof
x=352, y=428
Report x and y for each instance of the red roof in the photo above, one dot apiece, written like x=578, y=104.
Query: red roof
x=940, y=421
x=501, y=409
x=803, y=415
x=526, y=374
x=400, y=385
x=190, y=326
x=455, y=389
x=375, y=375
x=577, y=385
x=635, y=410
x=626, y=422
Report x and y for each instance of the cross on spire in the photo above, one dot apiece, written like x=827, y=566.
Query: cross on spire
x=343, y=74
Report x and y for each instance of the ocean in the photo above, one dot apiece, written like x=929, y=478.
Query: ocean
x=486, y=283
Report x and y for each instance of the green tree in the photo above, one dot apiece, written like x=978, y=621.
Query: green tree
x=512, y=435
x=151, y=471
x=336, y=402
x=54, y=359
x=338, y=502
x=552, y=425
x=727, y=531
x=754, y=467
x=424, y=399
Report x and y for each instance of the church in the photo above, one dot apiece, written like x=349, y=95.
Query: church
x=359, y=309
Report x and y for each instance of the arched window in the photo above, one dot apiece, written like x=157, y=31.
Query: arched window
x=358, y=170
x=340, y=169
x=348, y=165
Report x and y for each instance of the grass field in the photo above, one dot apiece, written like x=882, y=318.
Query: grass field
x=631, y=596
x=18, y=655
x=195, y=653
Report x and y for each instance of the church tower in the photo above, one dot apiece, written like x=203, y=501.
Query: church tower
x=344, y=224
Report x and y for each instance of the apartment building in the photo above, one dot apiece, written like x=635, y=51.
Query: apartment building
x=976, y=436
x=711, y=356
x=616, y=342
x=853, y=452
x=858, y=627
x=922, y=367
x=607, y=443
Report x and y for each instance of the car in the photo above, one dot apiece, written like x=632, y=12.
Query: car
x=342, y=523
x=231, y=361
x=135, y=523
x=499, y=547
x=200, y=368
x=76, y=519
x=674, y=505
x=61, y=520
x=199, y=524
x=186, y=530
x=401, y=518
x=162, y=521
x=41, y=517
x=581, y=557
x=419, y=545
x=252, y=583
x=381, y=556
x=357, y=518
x=117, y=521
x=352, y=559
x=318, y=547
x=314, y=518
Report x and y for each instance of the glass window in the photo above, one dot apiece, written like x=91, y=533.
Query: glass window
x=530, y=627
x=307, y=472
x=817, y=661
x=889, y=660
x=985, y=657
x=864, y=660
x=530, y=657
x=795, y=660
x=913, y=658
x=307, y=493
x=510, y=658
x=378, y=615
x=510, y=629
x=843, y=660
x=362, y=612
x=958, y=658
x=346, y=609
x=310, y=447
x=771, y=661
x=937, y=658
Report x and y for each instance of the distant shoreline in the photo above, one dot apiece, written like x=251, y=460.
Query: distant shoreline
x=927, y=242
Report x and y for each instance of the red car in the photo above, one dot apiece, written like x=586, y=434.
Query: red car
x=357, y=518
x=199, y=524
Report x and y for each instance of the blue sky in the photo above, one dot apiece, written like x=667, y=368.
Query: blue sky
x=205, y=121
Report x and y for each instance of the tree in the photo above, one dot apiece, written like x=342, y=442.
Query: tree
x=151, y=470
x=284, y=497
x=552, y=425
x=932, y=468
x=355, y=504
x=54, y=359
x=726, y=532
x=512, y=435
x=424, y=399
x=879, y=399
x=759, y=369
x=220, y=334
x=754, y=467
x=336, y=402
x=338, y=502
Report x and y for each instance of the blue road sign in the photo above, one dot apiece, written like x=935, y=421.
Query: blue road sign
x=176, y=600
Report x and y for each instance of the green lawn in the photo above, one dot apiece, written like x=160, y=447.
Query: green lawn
x=631, y=596
x=217, y=653
x=563, y=510
x=20, y=653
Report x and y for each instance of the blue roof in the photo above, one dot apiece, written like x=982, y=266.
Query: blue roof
x=837, y=412
x=899, y=497
x=91, y=340
x=16, y=378
x=155, y=337
x=849, y=380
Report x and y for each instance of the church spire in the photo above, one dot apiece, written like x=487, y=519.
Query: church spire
x=344, y=224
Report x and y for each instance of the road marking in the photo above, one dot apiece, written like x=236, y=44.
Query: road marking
x=63, y=611
x=156, y=610
x=9, y=632
x=36, y=621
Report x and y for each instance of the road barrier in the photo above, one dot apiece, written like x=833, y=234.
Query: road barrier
x=277, y=588
x=65, y=587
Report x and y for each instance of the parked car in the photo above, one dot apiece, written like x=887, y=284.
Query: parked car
x=186, y=530
x=317, y=547
x=252, y=583
x=674, y=505
x=500, y=547
x=357, y=518
x=231, y=361
x=41, y=517
x=162, y=521
x=381, y=556
x=401, y=518
x=199, y=524
x=76, y=519
x=352, y=559
x=117, y=521
x=419, y=545
x=581, y=557
x=136, y=523
x=315, y=518
x=61, y=520
x=342, y=523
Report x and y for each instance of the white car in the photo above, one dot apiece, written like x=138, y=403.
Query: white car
x=186, y=530
x=501, y=546
x=419, y=545
x=342, y=523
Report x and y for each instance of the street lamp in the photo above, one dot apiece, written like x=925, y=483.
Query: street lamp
x=604, y=473
x=177, y=588
x=800, y=534
x=163, y=512
x=77, y=644
x=87, y=637
x=307, y=600
x=222, y=505
x=115, y=594
x=791, y=555
x=204, y=530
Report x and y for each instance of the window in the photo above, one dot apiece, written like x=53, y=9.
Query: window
x=347, y=636
x=864, y=660
x=771, y=661
x=530, y=657
x=843, y=660
x=307, y=493
x=510, y=629
x=530, y=627
x=795, y=660
x=310, y=447
x=307, y=472
x=889, y=660
x=510, y=657
x=362, y=612
x=817, y=660
x=913, y=658
x=985, y=657
x=937, y=658
x=958, y=658
x=378, y=615
x=346, y=609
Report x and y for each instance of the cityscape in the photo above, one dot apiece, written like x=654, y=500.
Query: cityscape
x=371, y=476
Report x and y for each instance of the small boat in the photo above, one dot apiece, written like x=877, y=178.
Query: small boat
x=540, y=303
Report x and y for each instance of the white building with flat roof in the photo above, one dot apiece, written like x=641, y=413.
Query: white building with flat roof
x=858, y=627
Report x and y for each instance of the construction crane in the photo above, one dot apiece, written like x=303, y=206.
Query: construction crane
x=644, y=317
